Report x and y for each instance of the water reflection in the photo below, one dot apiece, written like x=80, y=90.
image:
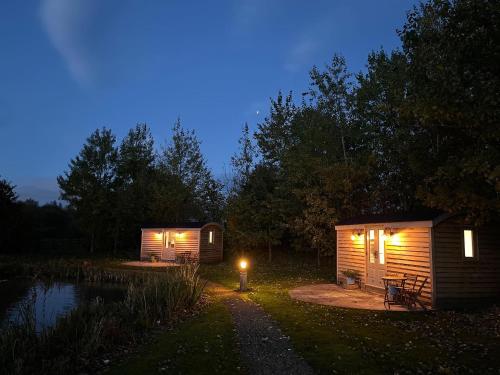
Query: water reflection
x=51, y=300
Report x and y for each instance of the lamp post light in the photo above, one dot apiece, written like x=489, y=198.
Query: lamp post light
x=243, y=275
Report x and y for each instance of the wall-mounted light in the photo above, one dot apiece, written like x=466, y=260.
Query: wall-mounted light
x=179, y=234
x=356, y=234
x=158, y=235
x=388, y=233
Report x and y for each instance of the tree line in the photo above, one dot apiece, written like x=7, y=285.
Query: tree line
x=27, y=226
x=115, y=189
x=419, y=128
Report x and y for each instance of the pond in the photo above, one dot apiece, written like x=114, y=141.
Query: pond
x=51, y=300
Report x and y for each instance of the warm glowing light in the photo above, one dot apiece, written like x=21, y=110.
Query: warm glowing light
x=158, y=235
x=381, y=247
x=395, y=240
x=356, y=235
x=468, y=248
x=243, y=264
x=179, y=234
x=387, y=234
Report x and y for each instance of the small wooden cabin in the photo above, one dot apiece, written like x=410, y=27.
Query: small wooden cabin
x=191, y=241
x=461, y=261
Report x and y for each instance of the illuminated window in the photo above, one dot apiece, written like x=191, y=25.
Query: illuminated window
x=469, y=248
x=211, y=236
x=381, y=246
x=371, y=245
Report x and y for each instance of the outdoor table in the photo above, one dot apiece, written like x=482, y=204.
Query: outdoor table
x=399, y=283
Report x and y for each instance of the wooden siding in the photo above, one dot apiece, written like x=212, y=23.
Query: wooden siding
x=458, y=278
x=186, y=244
x=211, y=253
x=350, y=254
x=151, y=244
x=409, y=251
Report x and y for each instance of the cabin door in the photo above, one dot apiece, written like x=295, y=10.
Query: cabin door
x=168, y=253
x=375, y=257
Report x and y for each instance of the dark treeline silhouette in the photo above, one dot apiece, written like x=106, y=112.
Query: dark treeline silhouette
x=27, y=226
x=114, y=189
x=418, y=129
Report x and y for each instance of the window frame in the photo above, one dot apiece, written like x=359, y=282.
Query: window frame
x=475, y=247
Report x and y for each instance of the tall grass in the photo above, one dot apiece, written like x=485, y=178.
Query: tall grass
x=89, y=331
x=161, y=295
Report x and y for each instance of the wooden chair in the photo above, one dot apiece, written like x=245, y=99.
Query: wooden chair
x=413, y=291
x=398, y=297
x=411, y=281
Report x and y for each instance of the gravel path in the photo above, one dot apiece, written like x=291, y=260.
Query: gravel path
x=264, y=348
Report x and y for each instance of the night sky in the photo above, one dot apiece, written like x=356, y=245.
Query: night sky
x=70, y=66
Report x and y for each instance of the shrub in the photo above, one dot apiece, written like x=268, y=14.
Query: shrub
x=350, y=273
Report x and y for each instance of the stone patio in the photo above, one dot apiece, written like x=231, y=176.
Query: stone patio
x=150, y=264
x=335, y=295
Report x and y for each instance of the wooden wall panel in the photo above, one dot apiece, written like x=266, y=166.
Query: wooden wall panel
x=151, y=244
x=350, y=254
x=409, y=251
x=186, y=244
x=211, y=253
x=457, y=277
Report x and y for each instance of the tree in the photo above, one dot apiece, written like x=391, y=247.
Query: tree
x=387, y=133
x=7, y=194
x=331, y=89
x=88, y=185
x=454, y=85
x=256, y=217
x=183, y=159
x=273, y=135
x=323, y=186
x=171, y=198
x=8, y=199
x=243, y=162
x=133, y=188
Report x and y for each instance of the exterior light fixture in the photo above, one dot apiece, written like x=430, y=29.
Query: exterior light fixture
x=243, y=265
x=388, y=233
x=158, y=235
x=356, y=234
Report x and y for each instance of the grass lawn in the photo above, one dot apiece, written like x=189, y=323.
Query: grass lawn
x=356, y=341
x=332, y=340
x=205, y=343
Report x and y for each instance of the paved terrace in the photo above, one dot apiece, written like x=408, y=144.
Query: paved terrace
x=150, y=264
x=334, y=295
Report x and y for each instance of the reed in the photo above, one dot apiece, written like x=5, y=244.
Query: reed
x=75, y=342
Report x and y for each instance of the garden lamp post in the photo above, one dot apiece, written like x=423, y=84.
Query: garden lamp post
x=243, y=275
